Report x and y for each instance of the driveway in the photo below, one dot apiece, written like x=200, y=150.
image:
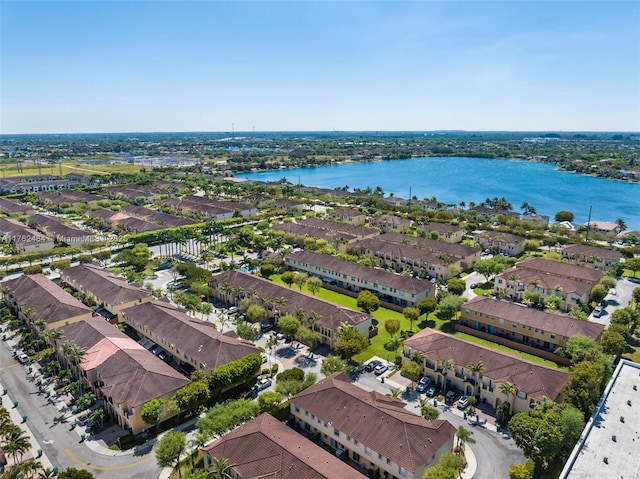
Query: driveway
x=624, y=291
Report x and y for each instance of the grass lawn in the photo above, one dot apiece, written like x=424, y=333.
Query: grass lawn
x=376, y=347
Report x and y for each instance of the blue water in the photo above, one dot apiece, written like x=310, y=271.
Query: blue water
x=456, y=179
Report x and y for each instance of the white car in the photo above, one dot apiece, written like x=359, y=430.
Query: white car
x=23, y=358
x=263, y=384
x=380, y=369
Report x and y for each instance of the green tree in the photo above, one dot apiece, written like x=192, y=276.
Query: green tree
x=427, y=306
x=580, y=348
x=584, y=388
x=539, y=438
x=256, y=313
x=449, y=307
x=520, y=471
x=333, y=364
x=314, y=284
x=350, y=341
x=392, y=326
x=552, y=302
x=411, y=371
x=289, y=325
x=412, y=314
x=307, y=336
x=612, y=342
x=300, y=280
x=368, y=302
x=564, y=216
x=221, y=468
x=245, y=331
x=463, y=436
x=598, y=293
x=269, y=401
x=151, y=412
x=170, y=448
x=393, y=345
x=72, y=473
x=287, y=277
x=456, y=286
x=192, y=395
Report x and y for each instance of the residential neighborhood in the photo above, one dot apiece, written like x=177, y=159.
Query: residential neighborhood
x=344, y=343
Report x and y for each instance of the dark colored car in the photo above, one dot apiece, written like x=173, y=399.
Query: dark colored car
x=371, y=365
x=450, y=397
x=423, y=384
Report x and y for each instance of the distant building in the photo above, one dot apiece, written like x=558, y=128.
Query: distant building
x=590, y=256
x=499, y=243
x=603, y=227
x=444, y=232
x=23, y=239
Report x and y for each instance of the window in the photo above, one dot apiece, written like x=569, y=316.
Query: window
x=402, y=471
x=388, y=461
x=297, y=409
x=355, y=442
x=336, y=432
x=380, y=456
x=367, y=451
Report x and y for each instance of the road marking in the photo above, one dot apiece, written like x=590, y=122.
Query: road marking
x=8, y=367
x=105, y=468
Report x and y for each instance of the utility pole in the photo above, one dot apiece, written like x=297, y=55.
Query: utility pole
x=588, y=224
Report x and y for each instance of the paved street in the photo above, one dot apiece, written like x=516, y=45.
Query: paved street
x=61, y=445
x=623, y=294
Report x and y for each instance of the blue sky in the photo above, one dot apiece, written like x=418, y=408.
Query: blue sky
x=316, y=65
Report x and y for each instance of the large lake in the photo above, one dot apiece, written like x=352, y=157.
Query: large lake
x=456, y=179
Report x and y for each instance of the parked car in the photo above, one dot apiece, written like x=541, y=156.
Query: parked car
x=450, y=396
x=262, y=384
x=23, y=358
x=372, y=365
x=380, y=368
x=597, y=312
x=423, y=384
x=432, y=391
x=463, y=402
x=264, y=357
x=473, y=286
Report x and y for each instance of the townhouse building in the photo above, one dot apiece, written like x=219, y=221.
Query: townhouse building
x=498, y=242
x=390, y=223
x=111, y=292
x=444, y=232
x=322, y=316
x=374, y=431
x=23, y=239
x=190, y=343
x=526, y=329
x=61, y=231
x=399, y=290
x=450, y=362
x=590, y=256
x=121, y=372
x=265, y=447
x=572, y=283
x=349, y=215
x=35, y=297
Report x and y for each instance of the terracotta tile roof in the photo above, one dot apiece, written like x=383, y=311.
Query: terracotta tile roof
x=379, y=276
x=560, y=269
x=499, y=236
x=48, y=300
x=380, y=422
x=559, y=324
x=587, y=251
x=131, y=374
x=536, y=381
x=265, y=448
x=19, y=234
x=59, y=228
x=103, y=284
x=443, y=227
x=305, y=230
x=546, y=281
x=450, y=249
x=344, y=228
x=403, y=252
x=331, y=315
x=199, y=340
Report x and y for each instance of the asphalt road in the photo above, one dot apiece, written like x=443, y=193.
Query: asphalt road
x=60, y=444
x=495, y=453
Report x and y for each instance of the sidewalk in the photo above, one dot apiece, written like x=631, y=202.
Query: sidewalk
x=17, y=418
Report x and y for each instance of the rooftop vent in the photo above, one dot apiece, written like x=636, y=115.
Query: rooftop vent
x=614, y=438
x=635, y=388
x=628, y=402
x=606, y=460
x=621, y=418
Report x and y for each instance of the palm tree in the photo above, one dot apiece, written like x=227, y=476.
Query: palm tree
x=621, y=224
x=417, y=357
x=395, y=392
x=16, y=442
x=221, y=468
x=464, y=436
x=510, y=390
